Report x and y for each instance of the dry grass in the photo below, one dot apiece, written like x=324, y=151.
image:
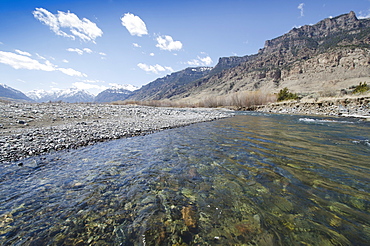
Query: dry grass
x=239, y=100
x=244, y=99
x=156, y=103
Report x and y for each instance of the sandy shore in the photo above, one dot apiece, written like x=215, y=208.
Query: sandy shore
x=33, y=129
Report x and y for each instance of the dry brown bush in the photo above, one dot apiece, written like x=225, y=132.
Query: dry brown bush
x=244, y=99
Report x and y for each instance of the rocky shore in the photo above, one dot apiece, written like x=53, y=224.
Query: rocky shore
x=33, y=129
x=349, y=107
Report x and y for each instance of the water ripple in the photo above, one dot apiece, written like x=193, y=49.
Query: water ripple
x=253, y=179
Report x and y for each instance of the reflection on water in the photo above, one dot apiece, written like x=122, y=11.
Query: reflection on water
x=252, y=179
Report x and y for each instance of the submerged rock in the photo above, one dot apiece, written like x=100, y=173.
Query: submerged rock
x=189, y=216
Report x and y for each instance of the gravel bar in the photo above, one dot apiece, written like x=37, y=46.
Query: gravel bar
x=28, y=129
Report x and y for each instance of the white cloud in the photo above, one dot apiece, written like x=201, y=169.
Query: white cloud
x=300, y=7
x=40, y=57
x=126, y=86
x=154, y=69
x=102, y=54
x=136, y=45
x=24, y=53
x=206, y=60
x=134, y=25
x=79, y=51
x=167, y=43
x=87, y=86
x=50, y=20
x=201, y=61
x=93, y=81
x=364, y=14
x=65, y=61
x=87, y=50
x=25, y=62
x=114, y=85
x=83, y=29
x=71, y=72
x=151, y=54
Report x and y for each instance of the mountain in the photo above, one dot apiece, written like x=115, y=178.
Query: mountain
x=8, y=93
x=171, y=85
x=116, y=93
x=71, y=95
x=323, y=58
x=319, y=59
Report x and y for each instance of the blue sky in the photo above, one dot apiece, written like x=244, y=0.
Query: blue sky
x=94, y=44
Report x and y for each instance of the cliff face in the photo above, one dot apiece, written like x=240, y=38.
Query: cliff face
x=311, y=37
x=229, y=62
x=326, y=57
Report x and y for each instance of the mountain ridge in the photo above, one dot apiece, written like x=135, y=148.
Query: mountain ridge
x=115, y=93
x=170, y=85
x=71, y=95
x=333, y=53
x=9, y=93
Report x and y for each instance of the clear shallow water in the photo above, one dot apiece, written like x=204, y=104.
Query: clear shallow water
x=252, y=179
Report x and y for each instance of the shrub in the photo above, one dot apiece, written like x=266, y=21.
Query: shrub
x=361, y=88
x=284, y=94
x=244, y=99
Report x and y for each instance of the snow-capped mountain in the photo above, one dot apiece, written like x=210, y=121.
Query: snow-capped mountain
x=9, y=93
x=124, y=87
x=37, y=94
x=71, y=95
x=116, y=93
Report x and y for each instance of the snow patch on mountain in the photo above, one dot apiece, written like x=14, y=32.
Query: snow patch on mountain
x=124, y=87
x=71, y=95
x=9, y=93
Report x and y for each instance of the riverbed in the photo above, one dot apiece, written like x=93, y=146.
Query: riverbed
x=253, y=179
x=29, y=129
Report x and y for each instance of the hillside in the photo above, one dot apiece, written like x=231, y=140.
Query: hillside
x=170, y=86
x=116, y=93
x=319, y=59
x=8, y=93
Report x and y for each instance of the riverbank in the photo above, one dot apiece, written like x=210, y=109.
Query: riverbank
x=28, y=129
x=347, y=106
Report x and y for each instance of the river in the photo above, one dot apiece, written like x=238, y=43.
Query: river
x=253, y=179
